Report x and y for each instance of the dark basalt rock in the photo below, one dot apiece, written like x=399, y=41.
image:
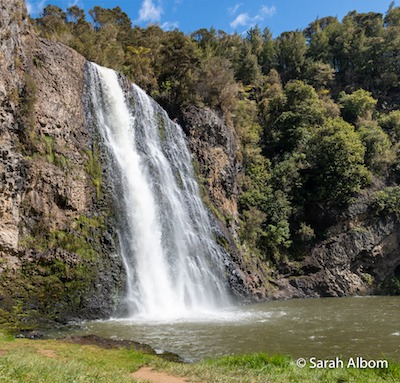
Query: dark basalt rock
x=362, y=252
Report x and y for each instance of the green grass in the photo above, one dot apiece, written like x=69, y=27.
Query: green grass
x=46, y=361
x=29, y=361
x=262, y=368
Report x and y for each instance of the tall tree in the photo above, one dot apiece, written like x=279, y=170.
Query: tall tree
x=291, y=54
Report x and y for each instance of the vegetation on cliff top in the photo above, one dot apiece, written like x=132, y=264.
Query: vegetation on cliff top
x=315, y=110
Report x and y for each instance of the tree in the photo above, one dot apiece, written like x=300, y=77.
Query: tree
x=255, y=38
x=392, y=17
x=320, y=39
x=336, y=157
x=290, y=118
x=319, y=74
x=178, y=66
x=378, y=155
x=291, y=52
x=54, y=11
x=217, y=86
x=318, y=26
x=138, y=67
x=207, y=39
x=390, y=123
x=103, y=16
x=371, y=23
x=53, y=23
x=268, y=53
x=82, y=31
x=357, y=105
x=247, y=68
x=76, y=15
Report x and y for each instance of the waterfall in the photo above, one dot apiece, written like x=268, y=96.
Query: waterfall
x=173, y=265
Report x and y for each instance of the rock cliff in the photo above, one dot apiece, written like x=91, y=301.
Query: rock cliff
x=360, y=256
x=58, y=257
x=214, y=146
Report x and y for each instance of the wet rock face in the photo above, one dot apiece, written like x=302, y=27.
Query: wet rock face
x=58, y=248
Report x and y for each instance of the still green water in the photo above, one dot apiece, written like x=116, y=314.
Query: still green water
x=323, y=328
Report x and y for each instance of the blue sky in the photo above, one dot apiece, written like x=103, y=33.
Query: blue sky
x=228, y=15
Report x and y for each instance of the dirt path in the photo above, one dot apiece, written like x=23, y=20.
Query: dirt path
x=148, y=374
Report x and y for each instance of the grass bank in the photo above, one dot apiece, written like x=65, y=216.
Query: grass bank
x=51, y=361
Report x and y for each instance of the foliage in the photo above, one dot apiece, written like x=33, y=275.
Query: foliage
x=390, y=123
x=390, y=285
x=388, y=201
x=291, y=53
x=336, y=158
x=378, y=155
x=216, y=86
x=319, y=74
x=357, y=105
x=290, y=117
x=361, y=50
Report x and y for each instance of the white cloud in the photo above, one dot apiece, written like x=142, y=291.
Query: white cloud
x=35, y=7
x=241, y=20
x=149, y=11
x=245, y=20
x=234, y=9
x=169, y=25
x=268, y=11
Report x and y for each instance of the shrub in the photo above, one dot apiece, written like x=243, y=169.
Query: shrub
x=387, y=201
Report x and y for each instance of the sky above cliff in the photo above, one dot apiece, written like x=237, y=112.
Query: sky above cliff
x=230, y=16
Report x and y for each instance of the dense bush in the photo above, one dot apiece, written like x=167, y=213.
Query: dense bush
x=388, y=201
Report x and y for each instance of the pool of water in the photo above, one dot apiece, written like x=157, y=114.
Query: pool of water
x=323, y=328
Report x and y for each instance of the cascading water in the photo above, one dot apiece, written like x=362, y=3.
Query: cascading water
x=173, y=265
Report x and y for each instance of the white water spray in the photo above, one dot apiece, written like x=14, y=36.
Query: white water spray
x=174, y=267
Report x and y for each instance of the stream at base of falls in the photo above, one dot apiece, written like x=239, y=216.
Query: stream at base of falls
x=323, y=328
